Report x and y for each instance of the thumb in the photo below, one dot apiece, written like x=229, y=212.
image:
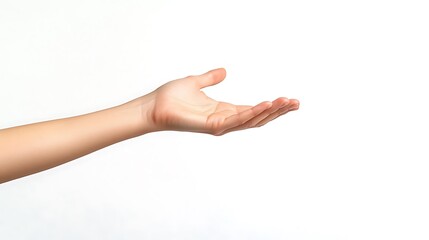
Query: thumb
x=211, y=78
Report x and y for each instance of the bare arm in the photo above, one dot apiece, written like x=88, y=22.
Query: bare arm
x=32, y=148
x=178, y=105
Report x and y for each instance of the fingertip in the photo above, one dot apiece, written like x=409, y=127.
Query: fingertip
x=218, y=73
x=212, y=77
x=295, y=105
x=221, y=69
x=296, y=102
x=282, y=101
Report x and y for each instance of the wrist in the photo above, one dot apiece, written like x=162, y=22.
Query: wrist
x=137, y=115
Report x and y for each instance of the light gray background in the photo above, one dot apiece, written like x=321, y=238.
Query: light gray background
x=352, y=163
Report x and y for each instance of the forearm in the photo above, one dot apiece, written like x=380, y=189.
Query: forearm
x=36, y=147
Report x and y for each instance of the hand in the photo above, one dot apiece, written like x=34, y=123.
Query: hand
x=181, y=105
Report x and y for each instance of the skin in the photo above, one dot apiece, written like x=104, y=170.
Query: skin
x=179, y=105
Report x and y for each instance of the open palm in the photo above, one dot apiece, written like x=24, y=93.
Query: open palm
x=181, y=105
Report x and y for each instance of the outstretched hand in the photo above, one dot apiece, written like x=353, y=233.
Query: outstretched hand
x=181, y=105
x=178, y=105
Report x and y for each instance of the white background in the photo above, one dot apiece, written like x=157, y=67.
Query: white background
x=352, y=163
